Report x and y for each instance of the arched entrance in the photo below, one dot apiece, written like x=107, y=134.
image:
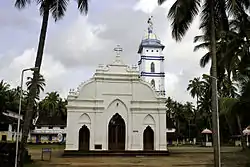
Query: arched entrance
x=148, y=139
x=84, y=135
x=116, y=133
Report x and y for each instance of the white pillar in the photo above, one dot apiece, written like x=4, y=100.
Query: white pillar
x=9, y=136
x=163, y=134
x=247, y=140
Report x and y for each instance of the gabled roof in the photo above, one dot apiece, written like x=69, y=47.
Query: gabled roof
x=7, y=120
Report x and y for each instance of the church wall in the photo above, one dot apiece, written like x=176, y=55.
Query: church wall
x=157, y=66
x=140, y=124
x=116, y=104
x=88, y=91
x=102, y=99
x=142, y=92
x=75, y=120
x=148, y=51
x=114, y=88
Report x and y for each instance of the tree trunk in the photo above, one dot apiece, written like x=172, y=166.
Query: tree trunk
x=197, y=101
x=229, y=83
x=243, y=141
x=33, y=90
x=215, y=113
x=229, y=125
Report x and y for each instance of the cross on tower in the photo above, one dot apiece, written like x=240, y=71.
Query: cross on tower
x=118, y=50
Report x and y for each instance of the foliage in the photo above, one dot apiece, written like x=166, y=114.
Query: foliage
x=9, y=98
x=53, y=105
x=57, y=10
x=227, y=41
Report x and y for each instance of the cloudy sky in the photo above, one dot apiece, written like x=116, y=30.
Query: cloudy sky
x=77, y=44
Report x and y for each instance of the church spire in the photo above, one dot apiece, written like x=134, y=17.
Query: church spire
x=151, y=62
x=150, y=25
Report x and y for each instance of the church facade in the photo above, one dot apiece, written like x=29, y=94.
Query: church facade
x=120, y=107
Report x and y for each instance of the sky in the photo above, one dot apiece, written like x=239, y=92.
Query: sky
x=76, y=44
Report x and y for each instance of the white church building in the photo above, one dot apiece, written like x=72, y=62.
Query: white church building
x=120, y=107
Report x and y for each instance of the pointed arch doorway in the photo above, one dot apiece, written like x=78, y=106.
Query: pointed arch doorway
x=116, y=133
x=84, y=135
x=148, y=139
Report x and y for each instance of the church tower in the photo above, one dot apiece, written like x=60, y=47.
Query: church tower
x=151, y=63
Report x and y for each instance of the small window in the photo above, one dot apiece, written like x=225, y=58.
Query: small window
x=146, y=50
x=152, y=50
x=157, y=50
x=38, y=127
x=61, y=127
x=153, y=82
x=50, y=127
x=4, y=137
x=152, y=67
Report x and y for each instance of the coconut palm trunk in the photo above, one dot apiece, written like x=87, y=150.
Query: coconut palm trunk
x=243, y=141
x=215, y=114
x=229, y=124
x=33, y=90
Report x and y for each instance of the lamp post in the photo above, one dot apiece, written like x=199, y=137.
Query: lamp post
x=19, y=110
x=216, y=129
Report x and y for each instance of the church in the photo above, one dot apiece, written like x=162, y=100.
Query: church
x=121, y=107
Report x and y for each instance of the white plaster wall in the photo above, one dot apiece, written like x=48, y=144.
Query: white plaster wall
x=148, y=65
x=98, y=99
x=145, y=66
x=148, y=51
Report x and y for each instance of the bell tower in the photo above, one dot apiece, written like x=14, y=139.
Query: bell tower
x=151, y=62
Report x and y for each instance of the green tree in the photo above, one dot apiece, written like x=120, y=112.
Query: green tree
x=195, y=88
x=57, y=9
x=4, y=88
x=61, y=109
x=53, y=106
x=40, y=84
x=231, y=106
x=50, y=103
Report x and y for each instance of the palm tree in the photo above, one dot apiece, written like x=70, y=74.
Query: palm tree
x=170, y=107
x=195, y=88
x=50, y=103
x=61, y=109
x=57, y=9
x=4, y=88
x=232, y=106
x=204, y=104
x=232, y=52
x=213, y=16
x=40, y=84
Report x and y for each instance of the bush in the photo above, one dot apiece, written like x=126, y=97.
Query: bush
x=8, y=152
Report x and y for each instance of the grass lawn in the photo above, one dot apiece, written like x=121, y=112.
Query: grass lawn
x=32, y=165
x=53, y=146
x=189, y=156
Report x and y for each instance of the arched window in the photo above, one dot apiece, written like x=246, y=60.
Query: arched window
x=152, y=66
x=153, y=82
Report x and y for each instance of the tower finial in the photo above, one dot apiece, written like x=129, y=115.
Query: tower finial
x=150, y=24
x=118, y=50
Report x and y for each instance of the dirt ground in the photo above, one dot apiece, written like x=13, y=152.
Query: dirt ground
x=179, y=157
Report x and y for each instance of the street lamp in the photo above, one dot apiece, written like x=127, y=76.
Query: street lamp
x=216, y=128
x=19, y=110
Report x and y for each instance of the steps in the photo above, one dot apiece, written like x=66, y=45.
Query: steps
x=114, y=153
